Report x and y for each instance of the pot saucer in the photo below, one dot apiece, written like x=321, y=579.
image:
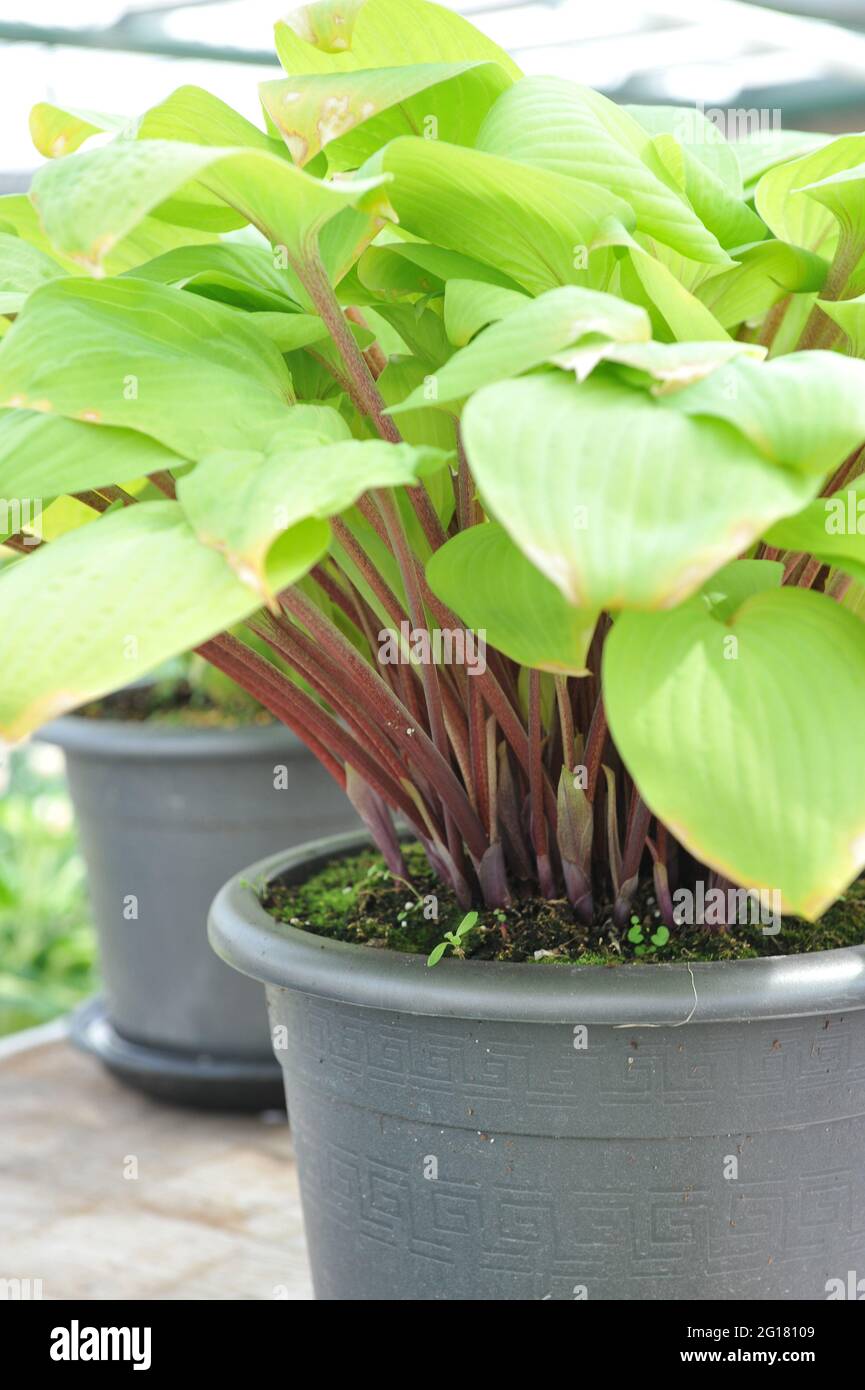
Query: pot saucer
x=199, y=1080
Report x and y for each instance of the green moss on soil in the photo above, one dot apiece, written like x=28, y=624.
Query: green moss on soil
x=176, y=704
x=356, y=899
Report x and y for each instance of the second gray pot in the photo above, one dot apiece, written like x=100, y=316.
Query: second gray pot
x=164, y=815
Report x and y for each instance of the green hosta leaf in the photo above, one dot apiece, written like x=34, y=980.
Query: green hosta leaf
x=759, y=151
x=422, y=332
x=89, y=202
x=149, y=238
x=785, y=198
x=380, y=33
x=65, y=514
x=380, y=555
x=538, y=227
x=413, y=267
x=59, y=130
x=698, y=137
x=327, y=25
x=291, y=331
x=607, y=494
x=246, y=276
x=23, y=268
x=830, y=528
x=675, y=312
x=723, y=211
x=728, y=589
x=766, y=272
x=736, y=754
x=849, y=314
x=554, y=124
x=114, y=599
x=530, y=335
x=196, y=117
x=843, y=193
x=432, y=427
x=664, y=367
x=391, y=272
x=494, y=589
x=805, y=411
x=240, y=503
x=402, y=377
x=46, y=455
x=352, y=114
x=854, y=600
x=193, y=374
x=471, y=305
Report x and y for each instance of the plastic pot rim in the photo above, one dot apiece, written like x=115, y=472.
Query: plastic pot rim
x=629, y=996
x=148, y=739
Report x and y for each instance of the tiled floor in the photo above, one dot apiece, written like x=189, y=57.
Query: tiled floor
x=105, y=1194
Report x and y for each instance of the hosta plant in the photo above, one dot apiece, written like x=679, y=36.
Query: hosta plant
x=504, y=442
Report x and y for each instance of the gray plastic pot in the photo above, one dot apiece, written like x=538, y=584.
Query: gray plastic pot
x=495, y=1131
x=163, y=814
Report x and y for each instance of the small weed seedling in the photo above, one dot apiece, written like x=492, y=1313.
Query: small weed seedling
x=657, y=941
x=454, y=939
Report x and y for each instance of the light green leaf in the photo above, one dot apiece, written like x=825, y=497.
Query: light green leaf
x=290, y=331
x=23, y=268
x=193, y=374
x=243, y=275
x=849, y=314
x=773, y=797
x=327, y=25
x=414, y=267
x=47, y=455
x=761, y=150
x=60, y=130
x=88, y=203
x=605, y=492
x=62, y=515
x=112, y=600
x=352, y=114
x=421, y=330
x=766, y=272
x=805, y=411
x=471, y=305
x=785, y=199
x=400, y=378
x=495, y=590
x=843, y=193
x=436, y=953
x=150, y=237
x=728, y=589
x=676, y=313
x=721, y=209
x=554, y=124
x=197, y=117
x=830, y=528
x=698, y=136
x=530, y=335
x=538, y=227
x=432, y=427
x=241, y=502
x=381, y=33
x=663, y=367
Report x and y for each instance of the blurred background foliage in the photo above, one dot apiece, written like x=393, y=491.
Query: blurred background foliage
x=47, y=944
